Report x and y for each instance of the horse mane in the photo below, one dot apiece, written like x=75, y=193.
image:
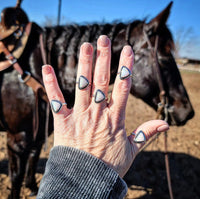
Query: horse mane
x=91, y=30
x=75, y=34
x=66, y=40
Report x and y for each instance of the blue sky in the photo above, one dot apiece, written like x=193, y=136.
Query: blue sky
x=185, y=14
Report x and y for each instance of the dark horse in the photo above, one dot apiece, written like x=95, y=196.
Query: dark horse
x=17, y=100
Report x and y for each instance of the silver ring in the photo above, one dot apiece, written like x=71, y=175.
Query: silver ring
x=83, y=82
x=57, y=105
x=99, y=96
x=140, y=137
x=124, y=73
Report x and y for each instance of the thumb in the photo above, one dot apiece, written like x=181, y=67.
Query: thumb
x=144, y=132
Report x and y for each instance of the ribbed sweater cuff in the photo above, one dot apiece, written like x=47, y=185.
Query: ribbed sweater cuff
x=72, y=173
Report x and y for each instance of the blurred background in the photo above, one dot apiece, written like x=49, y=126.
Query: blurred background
x=183, y=22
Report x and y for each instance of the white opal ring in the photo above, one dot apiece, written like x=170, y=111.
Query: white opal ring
x=139, y=137
x=57, y=105
x=82, y=82
x=124, y=73
x=99, y=96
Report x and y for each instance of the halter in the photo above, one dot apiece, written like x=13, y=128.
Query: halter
x=163, y=104
x=25, y=76
x=21, y=34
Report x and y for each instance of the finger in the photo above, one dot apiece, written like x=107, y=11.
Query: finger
x=83, y=86
x=52, y=89
x=149, y=129
x=122, y=83
x=102, y=72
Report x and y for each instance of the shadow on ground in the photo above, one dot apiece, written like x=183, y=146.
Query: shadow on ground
x=148, y=174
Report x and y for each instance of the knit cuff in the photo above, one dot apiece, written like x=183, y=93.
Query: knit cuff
x=73, y=173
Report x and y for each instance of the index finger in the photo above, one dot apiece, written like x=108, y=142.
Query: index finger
x=53, y=90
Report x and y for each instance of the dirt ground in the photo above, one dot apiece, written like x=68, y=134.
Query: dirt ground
x=147, y=177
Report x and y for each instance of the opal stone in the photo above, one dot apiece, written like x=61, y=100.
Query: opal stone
x=140, y=137
x=56, y=105
x=99, y=96
x=125, y=72
x=82, y=82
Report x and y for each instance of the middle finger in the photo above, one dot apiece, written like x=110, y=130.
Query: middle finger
x=102, y=72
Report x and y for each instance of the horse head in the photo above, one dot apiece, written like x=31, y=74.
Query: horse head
x=145, y=78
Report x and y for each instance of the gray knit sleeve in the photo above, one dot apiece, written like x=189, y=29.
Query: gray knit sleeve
x=75, y=174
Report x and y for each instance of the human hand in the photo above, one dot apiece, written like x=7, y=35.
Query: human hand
x=99, y=128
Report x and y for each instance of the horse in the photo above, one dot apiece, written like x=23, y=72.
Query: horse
x=62, y=43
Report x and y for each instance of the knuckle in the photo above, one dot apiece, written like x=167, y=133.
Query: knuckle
x=102, y=80
x=57, y=96
x=124, y=86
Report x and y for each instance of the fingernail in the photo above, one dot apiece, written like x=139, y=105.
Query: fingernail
x=103, y=40
x=127, y=51
x=46, y=69
x=162, y=128
x=48, y=72
x=87, y=49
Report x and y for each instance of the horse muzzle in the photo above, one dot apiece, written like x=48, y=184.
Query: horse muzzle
x=179, y=116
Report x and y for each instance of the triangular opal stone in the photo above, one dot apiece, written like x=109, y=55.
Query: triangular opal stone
x=140, y=137
x=82, y=82
x=99, y=96
x=56, y=105
x=125, y=72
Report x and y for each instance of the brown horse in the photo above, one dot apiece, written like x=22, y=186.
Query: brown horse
x=18, y=101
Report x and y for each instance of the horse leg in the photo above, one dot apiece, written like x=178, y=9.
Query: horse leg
x=17, y=153
x=31, y=168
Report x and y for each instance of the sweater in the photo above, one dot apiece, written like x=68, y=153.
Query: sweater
x=75, y=174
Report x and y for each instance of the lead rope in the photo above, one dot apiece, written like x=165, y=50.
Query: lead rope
x=44, y=59
x=165, y=104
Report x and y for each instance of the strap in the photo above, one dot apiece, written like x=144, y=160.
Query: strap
x=11, y=59
x=44, y=58
x=37, y=87
x=127, y=35
x=35, y=117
